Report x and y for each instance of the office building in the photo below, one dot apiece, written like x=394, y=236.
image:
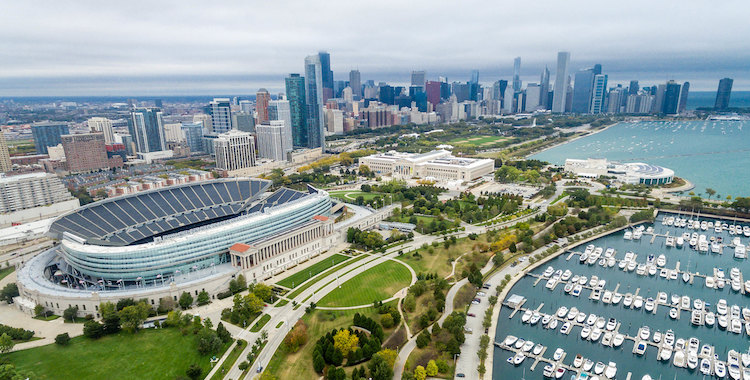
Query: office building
x=531, y=98
x=544, y=89
x=295, y=94
x=280, y=111
x=583, y=88
x=355, y=82
x=432, y=90
x=633, y=87
x=335, y=121
x=437, y=165
x=234, y=150
x=47, y=133
x=722, y=94
x=33, y=196
x=173, y=133
x=104, y=125
x=561, y=82
x=262, y=98
x=85, y=152
x=247, y=106
x=326, y=76
x=243, y=121
x=221, y=115
x=314, y=100
x=517, y=74
x=271, y=140
x=194, y=136
x=599, y=94
x=683, y=97
x=671, y=98
x=616, y=98
x=205, y=120
x=418, y=78
x=5, y=164
x=147, y=129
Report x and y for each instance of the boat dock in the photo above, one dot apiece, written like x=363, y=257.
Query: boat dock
x=541, y=358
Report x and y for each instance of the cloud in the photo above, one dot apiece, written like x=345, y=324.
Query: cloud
x=179, y=39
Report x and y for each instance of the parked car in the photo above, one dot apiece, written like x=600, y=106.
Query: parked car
x=470, y=315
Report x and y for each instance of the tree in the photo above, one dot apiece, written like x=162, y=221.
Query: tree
x=208, y=341
x=386, y=320
x=263, y=292
x=110, y=317
x=710, y=192
x=344, y=341
x=203, y=298
x=388, y=355
x=6, y=343
x=70, y=313
x=39, y=311
x=423, y=339
x=8, y=292
x=297, y=337
x=420, y=373
x=379, y=366
x=62, y=339
x=318, y=362
x=223, y=333
x=186, y=300
x=93, y=329
x=194, y=371
x=134, y=315
x=432, y=368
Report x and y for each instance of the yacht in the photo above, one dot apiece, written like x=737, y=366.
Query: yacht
x=558, y=354
x=734, y=371
x=593, y=281
x=535, y=317
x=599, y=368
x=652, y=270
x=575, y=279
x=679, y=359
x=548, y=272
x=670, y=241
x=617, y=340
x=623, y=264
x=617, y=297
x=692, y=360
x=585, y=332
x=662, y=297
x=562, y=312
x=721, y=370
x=685, y=302
x=566, y=275
x=587, y=365
x=581, y=317
x=518, y=359
x=696, y=317
x=641, y=270
x=584, y=256
x=663, y=273
x=631, y=266
x=709, y=318
x=747, y=287
x=582, y=280
x=680, y=242
x=637, y=234
x=607, y=297
x=607, y=338
x=611, y=324
x=734, y=273
x=740, y=251
x=661, y=260
x=672, y=274
x=736, y=285
x=644, y=333
x=577, y=290
x=693, y=344
x=657, y=337
x=716, y=247
x=559, y=373
x=551, y=283
x=549, y=371
x=698, y=304
x=596, y=333
x=600, y=323
x=628, y=235
x=675, y=299
x=609, y=252
x=546, y=319
x=578, y=361
x=572, y=314
x=674, y=313
x=721, y=307
x=527, y=346
x=596, y=294
x=705, y=366
x=723, y=321
x=568, y=287
x=552, y=324
x=669, y=338
x=710, y=282
x=649, y=304
x=628, y=300
x=592, y=319
x=565, y=329
x=537, y=349
x=640, y=348
x=526, y=316
x=666, y=353
x=509, y=340
x=519, y=343
x=735, y=326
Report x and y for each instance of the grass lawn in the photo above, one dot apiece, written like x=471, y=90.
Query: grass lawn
x=477, y=141
x=439, y=260
x=48, y=318
x=405, y=219
x=148, y=354
x=377, y=283
x=281, y=303
x=317, y=278
x=261, y=322
x=6, y=271
x=298, y=365
x=351, y=195
x=231, y=359
x=307, y=273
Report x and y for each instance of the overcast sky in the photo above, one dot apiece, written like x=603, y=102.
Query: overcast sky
x=202, y=47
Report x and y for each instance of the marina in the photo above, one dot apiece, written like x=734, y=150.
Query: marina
x=662, y=303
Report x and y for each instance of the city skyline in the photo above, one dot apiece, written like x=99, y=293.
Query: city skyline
x=153, y=55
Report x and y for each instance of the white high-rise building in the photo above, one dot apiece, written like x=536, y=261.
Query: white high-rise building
x=221, y=115
x=173, y=132
x=532, y=97
x=205, y=120
x=508, y=100
x=5, y=163
x=234, y=150
x=104, y=125
x=561, y=82
x=271, y=140
x=279, y=110
x=598, y=96
x=335, y=121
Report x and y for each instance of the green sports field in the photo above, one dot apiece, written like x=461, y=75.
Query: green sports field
x=377, y=283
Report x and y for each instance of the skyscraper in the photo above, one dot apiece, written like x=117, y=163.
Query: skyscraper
x=271, y=141
x=671, y=98
x=598, y=94
x=104, y=125
x=47, y=133
x=355, y=82
x=531, y=97
x=221, y=115
x=234, y=150
x=193, y=136
x=314, y=99
x=583, y=88
x=633, y=88
x=432, y=89
x=544, y=89
x=280, y=114
x=683, y=97
x=147, y=129
x=517, y=74
x=722, y=94
x=418, y=78
x=326, y=76
x=561, y=82
x=295, y=94
x=262, y=97
x=474, y=89
x=85, y=152
x=5, y=164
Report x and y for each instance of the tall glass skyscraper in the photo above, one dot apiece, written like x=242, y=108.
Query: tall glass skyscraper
x=279, y=110
x=47, y=134
x=355, y=82
x=221, y=115
x=582, y=90
x=544, y=89
x=295, y=94
x=723, y=94
x=671, y=98
x=599, y=93
x=193, y=136
x=314, y=99
x=147, y=129
x=517, y=74
x=326, y=76
x=561, y=82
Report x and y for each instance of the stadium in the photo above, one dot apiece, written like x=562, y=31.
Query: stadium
x=162, y=242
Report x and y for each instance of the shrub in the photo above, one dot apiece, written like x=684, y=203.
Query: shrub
x=62, y=339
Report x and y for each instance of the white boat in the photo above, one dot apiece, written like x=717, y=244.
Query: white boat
x=641, y=270
x=745, y=359
x=552, y=324
x=587, y=365
x=670, y=241
x=518, y=358
x=706, y=367
x=693, y=345
x=566, y=275
x=638, y=302
x=657, y=337
x=685, y=302
x=747, y=287
x=736, y=285
x=607, y=297
x=607, y=338
x=675, y=299
x=527, y=346
x=672, y=274
x=649, y=304
x=637, y=234
x=581, y=317
x=716, y=247
x=662, y=297
x=572, y=314
x=519, y=343
x=628, y=301
x=578, y=361
x=596, y=333
x=721, y=307
x=628, y=235
x=740, y=251
x=548, y=272
x=577, y=290
x=692, y=360
x=600, y=323
x=611, y=324
x=663, y=273
x=546, y=319
x=652, y=270
x=584, y=256
x=644, y=333
x=680, y=242
x=720, y=369
x=565, y=329
x=734, y=273
x=591, y=319
x=549, y=371
x=734, y=371
x=558, y=354
x=526, y=316
x=509, y=340
x=679, y=359
x=696, y=317
x=723, y=321
x=599, y=368
x=705, y=350
x=537, y=349
x=674, y=313
x=617, y=340
x=559, y=372
x=631, y=266
x=582, y=280
x=666, y=353
x=720, y=283
x=685, y=276
x=735, y=326
x=698, y=304
x=669, y=338
x=568, y=287
x=623, y=264
x=585, y=332
x=640, y=348
x=661, y=260
x=709, y=319
x=593, y=281
x=535, y=317
x=617, y=297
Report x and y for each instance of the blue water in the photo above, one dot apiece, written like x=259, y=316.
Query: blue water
x=631, y=319
x=713, y=154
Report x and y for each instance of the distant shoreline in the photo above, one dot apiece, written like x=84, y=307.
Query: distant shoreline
x=590, y=133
